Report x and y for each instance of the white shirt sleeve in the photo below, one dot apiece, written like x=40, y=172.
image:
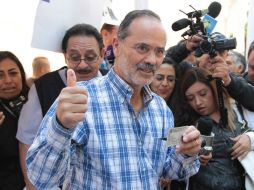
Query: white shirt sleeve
x=251, y=135
x=30, y=118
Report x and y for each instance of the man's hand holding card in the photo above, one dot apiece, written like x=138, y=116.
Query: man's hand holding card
x=186, y=139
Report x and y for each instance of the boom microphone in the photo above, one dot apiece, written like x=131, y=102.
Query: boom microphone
x=181, y=24
x=213, y=10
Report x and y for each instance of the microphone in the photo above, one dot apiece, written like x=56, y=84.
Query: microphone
x=205, y=128
x=181, y=24
x=213, y=10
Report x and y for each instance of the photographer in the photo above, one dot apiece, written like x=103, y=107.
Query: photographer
x=13, y=93
x=184, y=48
x=236, y=86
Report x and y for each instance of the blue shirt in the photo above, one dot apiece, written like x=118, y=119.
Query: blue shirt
x=113, y=148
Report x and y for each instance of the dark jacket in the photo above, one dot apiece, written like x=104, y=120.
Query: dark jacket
x=178, y=52
x=220, y=173
x=11, y=177
x=241, y=91
x=49, y=86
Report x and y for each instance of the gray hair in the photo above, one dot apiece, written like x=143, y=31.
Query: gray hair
x=251, y=48
x=123, y=31
x=239, y=59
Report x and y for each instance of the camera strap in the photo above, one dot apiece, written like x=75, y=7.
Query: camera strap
x=8, y=109
x=222, y=109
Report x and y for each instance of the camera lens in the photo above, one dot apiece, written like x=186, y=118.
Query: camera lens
x=205, y=46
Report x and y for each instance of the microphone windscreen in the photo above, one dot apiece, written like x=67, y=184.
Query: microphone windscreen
x=181, y=24
x=214, y=9
x=205, y=125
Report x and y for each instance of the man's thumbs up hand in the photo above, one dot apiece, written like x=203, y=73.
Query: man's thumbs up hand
x=71, y=78
x=72, y=102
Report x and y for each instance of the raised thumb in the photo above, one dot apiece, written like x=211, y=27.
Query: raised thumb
x=71, y=78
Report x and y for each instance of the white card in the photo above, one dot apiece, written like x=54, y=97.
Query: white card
x=175, y=135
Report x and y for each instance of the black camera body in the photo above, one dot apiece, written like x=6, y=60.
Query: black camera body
x=210, y=45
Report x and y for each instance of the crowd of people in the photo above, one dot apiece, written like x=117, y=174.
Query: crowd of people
x=101, y=121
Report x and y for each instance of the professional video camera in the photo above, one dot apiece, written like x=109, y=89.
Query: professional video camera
x=204, y=27
x=212, y=43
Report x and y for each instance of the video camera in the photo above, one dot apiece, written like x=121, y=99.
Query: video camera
x=211, y=42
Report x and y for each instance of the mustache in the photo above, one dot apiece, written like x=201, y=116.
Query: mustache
x=146, y=66
x=83, y=70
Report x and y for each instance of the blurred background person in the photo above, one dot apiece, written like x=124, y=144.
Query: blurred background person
x=40, y=67
x=249, y=75
x=13, y=93
x=236, y=62
x=163, y=83
x=108, y=32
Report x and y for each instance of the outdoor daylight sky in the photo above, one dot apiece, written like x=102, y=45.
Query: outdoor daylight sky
x=17, y=21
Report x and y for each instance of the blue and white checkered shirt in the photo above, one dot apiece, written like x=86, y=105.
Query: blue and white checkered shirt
x=113, y=148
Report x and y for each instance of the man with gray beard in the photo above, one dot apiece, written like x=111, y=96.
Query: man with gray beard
x=108, y=133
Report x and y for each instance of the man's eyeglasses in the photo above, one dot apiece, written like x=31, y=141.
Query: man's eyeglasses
x=88, y=59
x=161, y=78
x=144, y=49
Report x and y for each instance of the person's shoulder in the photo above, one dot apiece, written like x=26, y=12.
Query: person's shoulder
x=50, y=75
x=159, y=101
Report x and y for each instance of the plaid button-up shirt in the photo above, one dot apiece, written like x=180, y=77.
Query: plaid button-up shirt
x=113, y=148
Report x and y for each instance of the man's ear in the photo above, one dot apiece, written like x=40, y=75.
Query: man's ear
x=104, y=33
x=240, y=68
x=65, y=58
x=102, y=53
x=116, y=46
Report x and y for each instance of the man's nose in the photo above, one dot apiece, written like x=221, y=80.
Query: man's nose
x=82, y=63
x=151, y=57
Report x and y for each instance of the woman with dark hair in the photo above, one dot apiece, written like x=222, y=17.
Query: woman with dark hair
x=13, y=94
x=164, y=81
x=223, y=171
x=166, y=85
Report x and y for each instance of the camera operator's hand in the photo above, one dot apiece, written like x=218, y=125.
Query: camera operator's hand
x=204, y=159
x=220, y=70
x=193, y=42
x=72, y=102
x=2, y=116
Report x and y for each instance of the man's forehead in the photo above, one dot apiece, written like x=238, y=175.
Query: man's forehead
x=83, y=43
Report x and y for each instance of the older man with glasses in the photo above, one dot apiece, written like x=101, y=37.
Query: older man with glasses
x=107, y=134
x=83, y=50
